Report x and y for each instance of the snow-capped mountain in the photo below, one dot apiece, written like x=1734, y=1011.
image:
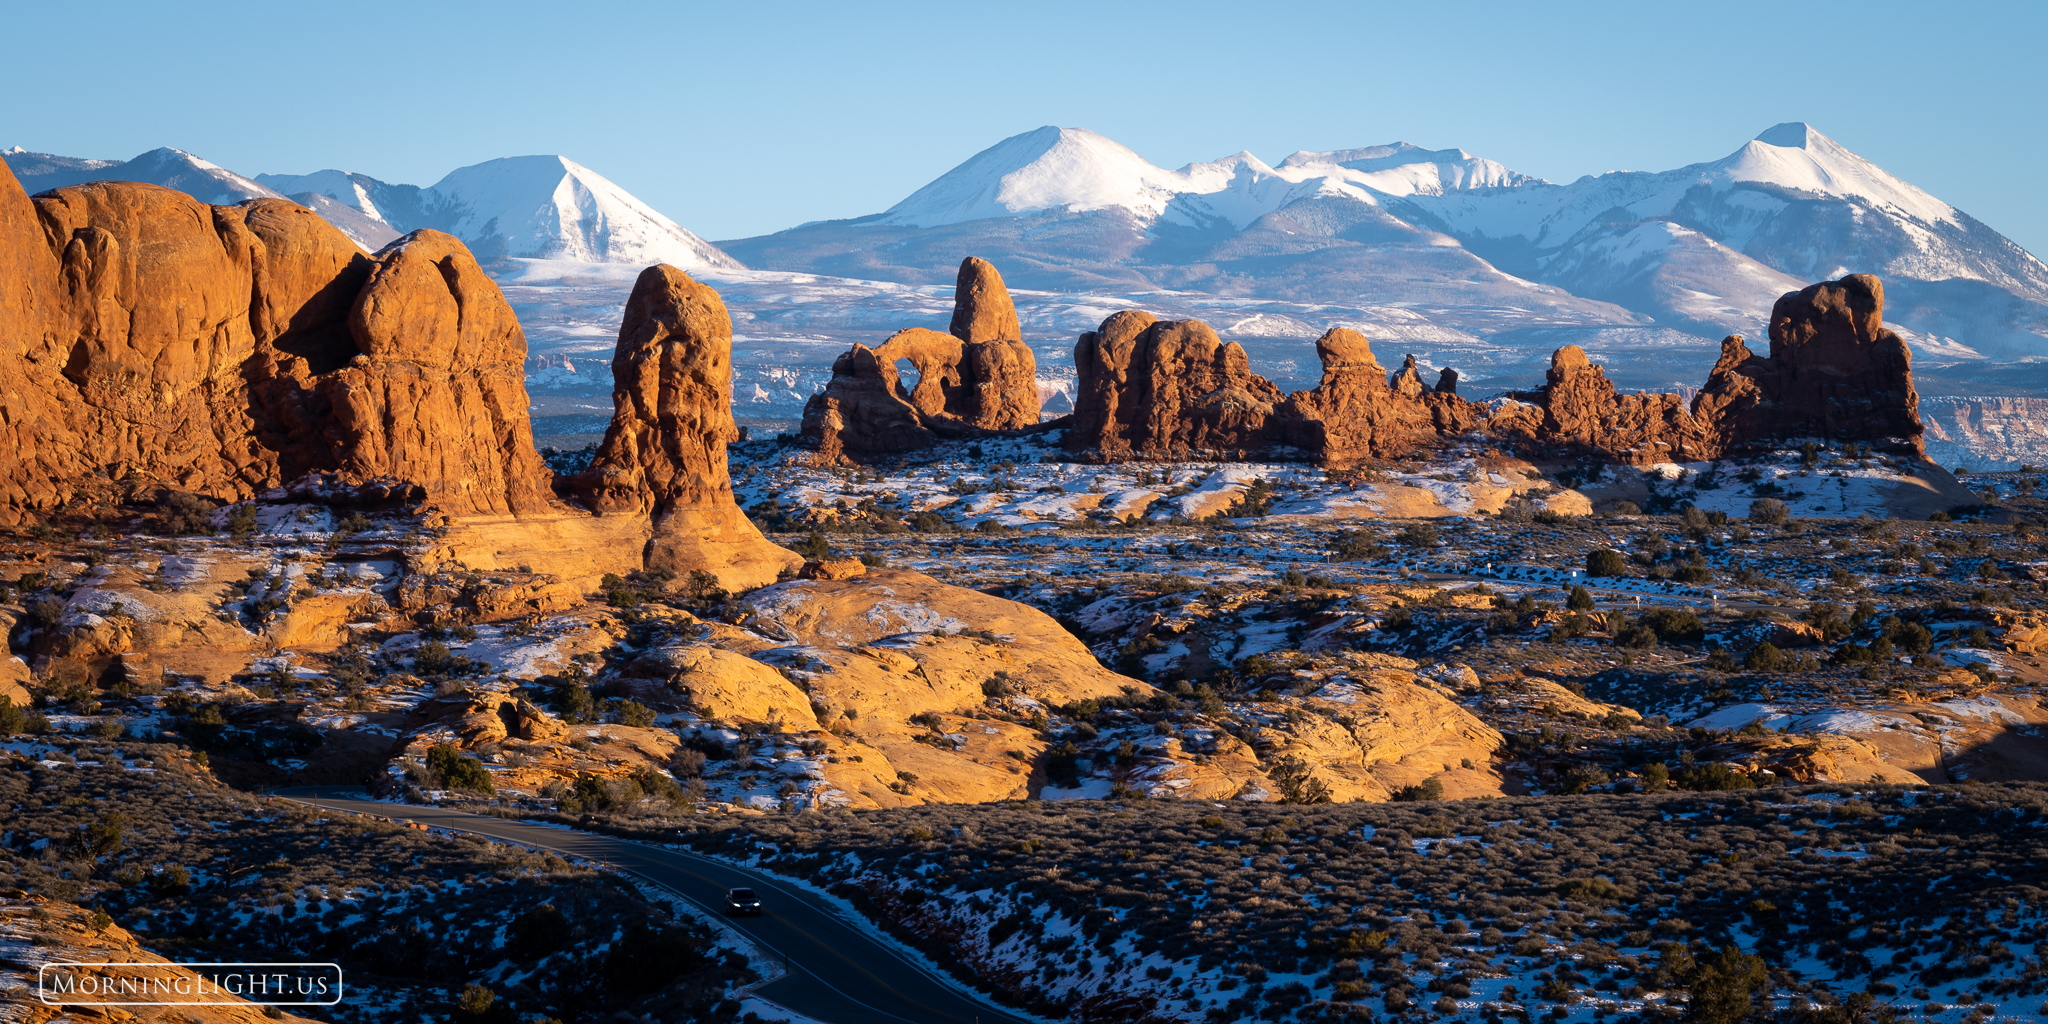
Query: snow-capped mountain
x=1072, y=170
x=1793, y=202
x=171, y=168
x=526, y=207
x=1052, y=169
x=530, y=207
x=1704, y=249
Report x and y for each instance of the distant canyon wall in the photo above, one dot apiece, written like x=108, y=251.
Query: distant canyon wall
x=1986, y=433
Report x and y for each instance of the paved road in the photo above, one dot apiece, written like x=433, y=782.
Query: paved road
x=838, y=972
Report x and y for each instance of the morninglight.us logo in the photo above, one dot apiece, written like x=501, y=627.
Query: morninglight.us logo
x=189, y=984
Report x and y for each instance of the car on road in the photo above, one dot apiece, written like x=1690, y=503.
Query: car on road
x=742, y=901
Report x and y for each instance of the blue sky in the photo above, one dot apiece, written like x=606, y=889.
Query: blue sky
x=739, y=119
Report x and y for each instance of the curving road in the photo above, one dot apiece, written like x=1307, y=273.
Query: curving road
x=839, y=973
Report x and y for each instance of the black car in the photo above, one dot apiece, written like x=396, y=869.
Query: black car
x=742, y=901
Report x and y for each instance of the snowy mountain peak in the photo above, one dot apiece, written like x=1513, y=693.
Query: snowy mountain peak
x=1796, y=156
x=1404, y=168
x=1051, y=168
x=353, y=190
x=1791, y=135
x=551, y=207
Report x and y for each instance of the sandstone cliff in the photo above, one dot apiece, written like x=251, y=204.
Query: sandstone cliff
x=156, y=341
x=151, y=341
x=1835, y=372
x=978, y=378
x=1578, y=411
x=1356, y=413
x=1180, y=392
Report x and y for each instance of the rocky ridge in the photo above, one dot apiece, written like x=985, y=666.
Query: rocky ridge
x=1173, y=390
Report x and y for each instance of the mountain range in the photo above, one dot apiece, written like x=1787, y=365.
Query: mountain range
x=1458, y=259
x=1704, y=249
x=524, y=207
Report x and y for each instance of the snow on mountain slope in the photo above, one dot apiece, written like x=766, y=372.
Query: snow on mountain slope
x=1675, y=274
x=1069, y=169
x=551, y=207
x=1796, y=202
x=526, y=207
x=1077, y=171
x=171, y=168
x=370, y=232
x=1406, y=169
x=351, y=190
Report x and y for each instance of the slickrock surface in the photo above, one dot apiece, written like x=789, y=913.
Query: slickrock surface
x=34, y=932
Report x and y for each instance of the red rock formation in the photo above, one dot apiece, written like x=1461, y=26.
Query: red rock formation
x=1356, y=413
x=1579, y=411
x=1180, y=392
x=982, y=310
x=230, y=349
x=979, y=378
x=154, y=341
x=663, y=456
x=1835, y=372
x=1173, y=390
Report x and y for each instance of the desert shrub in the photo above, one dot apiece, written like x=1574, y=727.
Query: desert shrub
x=814, y=548
x=1603, y=562
x=1297, y=783
x=1725, y=987
x=573, y=702
x=242, y=521
x=633, y=713
x=1769, y=511
x=1765, y=657
x=1581, y=599
x=458, y=772
x=1675, y=625
x=181, y=514
x=1256, y=500
x=1715, y=776
x=1422, y=536
x=1356, y=546
x=1431, y=788
x=1062, y=765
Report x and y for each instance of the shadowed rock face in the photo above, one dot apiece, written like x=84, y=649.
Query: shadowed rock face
x=230, y=349
x=981, y=377
x=664, y=454
x=1356, y=413
x=1835, y=372
x=1166, y=389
